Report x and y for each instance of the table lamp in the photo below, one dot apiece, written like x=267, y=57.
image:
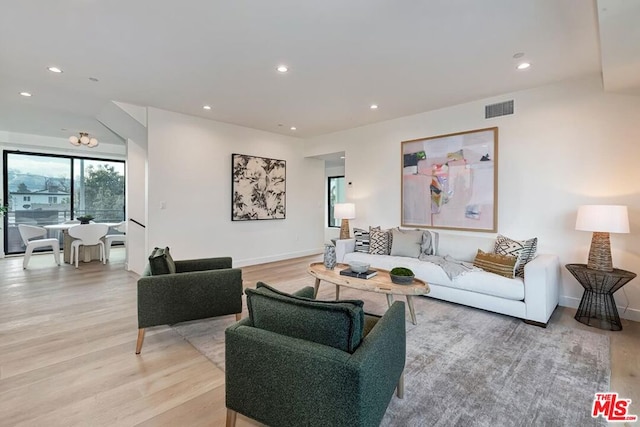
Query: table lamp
x=602, y=220
x=345, y=212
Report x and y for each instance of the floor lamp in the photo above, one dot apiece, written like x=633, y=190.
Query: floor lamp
x=345, y=212
x=602, y=220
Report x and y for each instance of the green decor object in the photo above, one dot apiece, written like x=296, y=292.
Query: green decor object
x=85, y=219
x=401, y=276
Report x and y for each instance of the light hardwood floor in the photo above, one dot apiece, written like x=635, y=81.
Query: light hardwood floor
x=67, y=341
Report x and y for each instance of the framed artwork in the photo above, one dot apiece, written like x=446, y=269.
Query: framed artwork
x=258, y=189
x=451, y=181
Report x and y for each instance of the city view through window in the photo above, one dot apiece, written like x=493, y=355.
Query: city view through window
x=42, y=190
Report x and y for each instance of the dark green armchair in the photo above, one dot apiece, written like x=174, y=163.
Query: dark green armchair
x=187, y=290
x=284, y=367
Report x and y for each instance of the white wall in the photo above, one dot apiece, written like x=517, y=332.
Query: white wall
x=189, y=161
x=566, y=145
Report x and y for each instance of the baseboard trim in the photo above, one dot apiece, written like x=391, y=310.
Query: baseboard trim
x=630, y=313
x=279, y=257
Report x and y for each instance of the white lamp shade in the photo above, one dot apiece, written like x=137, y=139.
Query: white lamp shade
x=93, y=142
x=603, y=218
x=344, y=211
x=84, y=139
x=74, y=140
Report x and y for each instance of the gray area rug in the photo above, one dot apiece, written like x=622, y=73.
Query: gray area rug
x=468, y=367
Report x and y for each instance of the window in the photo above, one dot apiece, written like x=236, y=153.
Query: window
x=43, y=189
x=335, y=194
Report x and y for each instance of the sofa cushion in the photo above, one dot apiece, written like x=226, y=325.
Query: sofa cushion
x=338, y=324
x=362, y=240
x=406, y=242
x=481, y=282
x=161, y=262
x=524, y=250
x=380, y=241
x=504, y=265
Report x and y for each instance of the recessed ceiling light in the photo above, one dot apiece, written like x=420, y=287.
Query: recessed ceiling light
x=523, y=66
x=518, y=55
x=293, y=128
x=54, y=70
x=93, y=79
x=282, y=68
x=207, y=107
x=373, y=106
x=342, y=157
x=25, y=94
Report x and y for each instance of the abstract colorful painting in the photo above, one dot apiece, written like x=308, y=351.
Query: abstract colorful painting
x=258, y=188
x=451, y=181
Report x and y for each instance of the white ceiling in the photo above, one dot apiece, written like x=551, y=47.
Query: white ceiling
x=408, y=57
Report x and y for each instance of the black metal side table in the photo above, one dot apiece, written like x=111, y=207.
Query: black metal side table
x=597, y=307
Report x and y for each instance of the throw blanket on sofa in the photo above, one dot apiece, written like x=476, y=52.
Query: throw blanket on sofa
x=452, y=267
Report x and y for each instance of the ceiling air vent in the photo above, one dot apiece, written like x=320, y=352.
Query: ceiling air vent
x=499, y=109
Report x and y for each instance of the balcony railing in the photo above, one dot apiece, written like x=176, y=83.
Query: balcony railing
x=41, y=218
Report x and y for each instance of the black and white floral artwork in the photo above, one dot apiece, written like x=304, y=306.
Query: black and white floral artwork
x=258, y=189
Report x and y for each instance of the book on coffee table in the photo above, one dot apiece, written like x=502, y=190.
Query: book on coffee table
x=366, y=275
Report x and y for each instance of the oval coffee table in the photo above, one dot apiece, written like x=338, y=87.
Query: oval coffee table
x=380, y=283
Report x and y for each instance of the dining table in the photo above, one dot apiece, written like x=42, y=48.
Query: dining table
x=86, y=254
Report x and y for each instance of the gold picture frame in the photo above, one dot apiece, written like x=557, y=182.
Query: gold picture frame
x=451, y=181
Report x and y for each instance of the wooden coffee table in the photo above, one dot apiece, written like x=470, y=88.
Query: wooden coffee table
x=380, y=283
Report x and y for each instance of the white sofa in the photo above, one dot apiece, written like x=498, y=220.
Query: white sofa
x=532, y=299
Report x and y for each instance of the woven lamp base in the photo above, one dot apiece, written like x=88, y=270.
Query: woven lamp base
x=600, y=252
x=344, y=229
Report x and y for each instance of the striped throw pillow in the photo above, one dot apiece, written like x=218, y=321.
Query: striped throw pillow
x=362, y=240
x=504, y=265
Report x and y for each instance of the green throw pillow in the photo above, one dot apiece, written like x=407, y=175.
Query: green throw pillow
x=161, y=262
x=338, y=324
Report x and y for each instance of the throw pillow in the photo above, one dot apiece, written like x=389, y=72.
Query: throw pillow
x=380, y=241
x=338, y=324
x=161, y=262
x=406, y=242
x=362, y=240
x=503, y=265
x=524, y=250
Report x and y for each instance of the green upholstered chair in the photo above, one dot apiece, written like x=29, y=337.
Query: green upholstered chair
x=187, y=290
x=284, y=368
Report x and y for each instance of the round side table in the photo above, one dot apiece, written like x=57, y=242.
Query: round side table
x=597, y=307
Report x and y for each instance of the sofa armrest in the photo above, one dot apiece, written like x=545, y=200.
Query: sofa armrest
x=541, y=281
x=171, y=298
x=183, y=266
x=265, y=372
x=344, y=246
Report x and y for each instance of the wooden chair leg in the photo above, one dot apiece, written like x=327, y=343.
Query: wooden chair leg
x=238, y=317
x=400, y=388
x=140, y=340
x=231, y=418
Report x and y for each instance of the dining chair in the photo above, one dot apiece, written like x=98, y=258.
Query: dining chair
x=87, y=235
x=34, y=237
x=116, y=238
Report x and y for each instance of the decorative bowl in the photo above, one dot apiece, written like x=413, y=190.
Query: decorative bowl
x=359, y=267
x=401, y=280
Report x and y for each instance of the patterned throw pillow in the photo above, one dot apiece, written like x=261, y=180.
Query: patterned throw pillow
x=503, y=265
x=379, y=241
x=524, y=250
x=362, y=240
